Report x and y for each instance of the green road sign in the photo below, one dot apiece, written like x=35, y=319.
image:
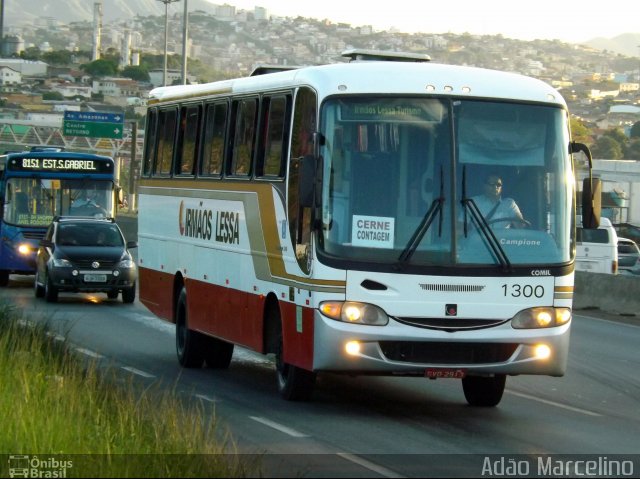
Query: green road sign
x=93, y=124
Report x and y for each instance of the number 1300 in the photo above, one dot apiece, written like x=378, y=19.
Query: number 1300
x=524, y=291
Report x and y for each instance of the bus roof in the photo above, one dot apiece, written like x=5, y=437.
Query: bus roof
x=376, y=77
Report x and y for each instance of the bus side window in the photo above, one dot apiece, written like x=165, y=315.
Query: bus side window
x=273, y=131
x=188, y=140
x=244, y=136
x=214, y=139
x=304, y=125
x=150, y=146
x=166, y=141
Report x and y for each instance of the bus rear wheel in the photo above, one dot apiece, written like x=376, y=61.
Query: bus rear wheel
x=484, y=391
x=189, y=344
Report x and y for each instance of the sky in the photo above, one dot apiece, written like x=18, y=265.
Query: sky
x=567, y=20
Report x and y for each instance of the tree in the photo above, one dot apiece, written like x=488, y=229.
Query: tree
x=58, y=57
x=579, y=131
x=607, y=148
x=617, y=134
x=100, y=68
x=633, y=150
x=137, y=73
x=52, y=95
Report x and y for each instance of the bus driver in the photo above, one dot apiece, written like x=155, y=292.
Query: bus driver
x=499, y=212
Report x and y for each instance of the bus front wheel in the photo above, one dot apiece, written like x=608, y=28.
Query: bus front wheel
x=484, y=391
x=294, y=383
x=4, y=278
x=189, y=345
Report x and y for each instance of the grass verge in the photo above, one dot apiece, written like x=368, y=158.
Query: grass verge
x=54, y=403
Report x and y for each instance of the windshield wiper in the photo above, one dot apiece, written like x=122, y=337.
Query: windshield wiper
x=425, y=224
x=482, y=225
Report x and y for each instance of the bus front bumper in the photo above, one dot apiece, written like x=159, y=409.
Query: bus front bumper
x=399, y=349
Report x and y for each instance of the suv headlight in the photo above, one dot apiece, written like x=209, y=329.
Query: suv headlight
x=542, y=317
x=127, y=264
x=354, y=312
x=62, y=263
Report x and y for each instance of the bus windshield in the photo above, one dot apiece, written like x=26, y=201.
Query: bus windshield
x=34, y=201
x=445, y=182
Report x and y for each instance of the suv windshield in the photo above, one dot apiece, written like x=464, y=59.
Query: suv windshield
x=444, y=182
x=88, y=234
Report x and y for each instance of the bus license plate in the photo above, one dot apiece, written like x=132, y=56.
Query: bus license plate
x=95, y=278
x=445, y=373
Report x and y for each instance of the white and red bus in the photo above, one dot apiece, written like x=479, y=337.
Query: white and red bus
x=329, y=215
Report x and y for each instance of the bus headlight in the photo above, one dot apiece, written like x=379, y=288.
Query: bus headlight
x=24, y=249
x=542, y=317
x=353, y=312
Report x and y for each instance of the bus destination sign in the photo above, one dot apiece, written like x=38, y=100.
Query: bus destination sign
x=75, y=165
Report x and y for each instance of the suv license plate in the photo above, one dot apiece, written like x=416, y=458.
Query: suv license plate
x=442, y=373
x=95, y=278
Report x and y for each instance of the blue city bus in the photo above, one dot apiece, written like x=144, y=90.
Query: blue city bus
x=35, y=186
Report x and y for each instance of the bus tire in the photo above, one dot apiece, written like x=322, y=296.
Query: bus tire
x=217, y=353
x=4, y=278
x=188, y=343
x=294, y=383
x=129, y=295
x=50, y=291
x=484, y=391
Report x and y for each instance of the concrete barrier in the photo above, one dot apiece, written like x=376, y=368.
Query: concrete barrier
x=615, y=294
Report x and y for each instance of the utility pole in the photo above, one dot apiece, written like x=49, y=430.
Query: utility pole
x=185, y=30
x=132, y=168
x=166, y=37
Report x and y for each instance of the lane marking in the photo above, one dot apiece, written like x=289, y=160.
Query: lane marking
x=56, y=336
x=278, y=427
x=138, y=372
x=383, y=471
x=88, y=352
x=556, y=404
x=206, y=398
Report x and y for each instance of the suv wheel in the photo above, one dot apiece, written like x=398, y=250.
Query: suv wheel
x=50, y=291
x=129, y=294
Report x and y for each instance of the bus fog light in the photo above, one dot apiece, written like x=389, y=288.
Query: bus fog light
x=352, y=348
x=542, y=351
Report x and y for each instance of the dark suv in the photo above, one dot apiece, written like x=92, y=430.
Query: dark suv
x=85, y=255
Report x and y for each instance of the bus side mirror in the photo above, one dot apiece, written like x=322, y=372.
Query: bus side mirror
x=591, y=202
